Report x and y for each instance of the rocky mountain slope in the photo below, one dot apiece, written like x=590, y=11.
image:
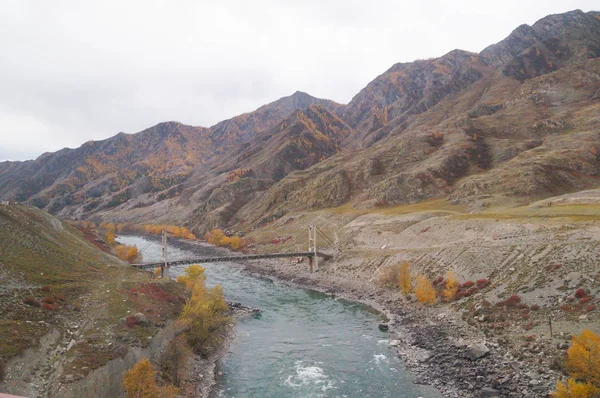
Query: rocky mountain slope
x=63, y=307
x=519, y=120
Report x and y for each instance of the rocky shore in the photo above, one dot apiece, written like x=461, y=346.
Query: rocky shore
x=438, y=347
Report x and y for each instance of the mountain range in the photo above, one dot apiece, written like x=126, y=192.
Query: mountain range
x=519, y=120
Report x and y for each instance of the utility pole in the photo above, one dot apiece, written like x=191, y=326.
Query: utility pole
x=164, y=256
x=313, y=261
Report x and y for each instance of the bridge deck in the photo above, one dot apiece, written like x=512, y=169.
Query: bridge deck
x=222, y=259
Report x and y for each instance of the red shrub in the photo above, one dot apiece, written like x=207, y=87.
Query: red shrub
x=130, y=321
x=590, y=308
x=471, y=291
x=60, y=297
x=48, y=300
x=580, y=293
x=32, y=302
x=48, y=306
x=525, y=314
x=481, y=283
x=467, y=285
x=567, y=308
x=512, y=301
x=535, y=307
x=585, y=300
x=459, y=295
x=438, y=280
x=46, y=288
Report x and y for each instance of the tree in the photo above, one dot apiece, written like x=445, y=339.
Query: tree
x=128, y=253
x=110, y=238
x=424, y=290
x=583, y=357
x=139, y=382
x=574, y=389
x=404, y=281
x=193, y=274
x=216, y=237
x=451, y=287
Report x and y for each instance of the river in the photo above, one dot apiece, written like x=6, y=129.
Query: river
x=302, y=344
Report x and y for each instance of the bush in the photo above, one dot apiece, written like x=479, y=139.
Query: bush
x=535, y=307
x=128, y=253
x=48, y=300
x=424, y=290
x=580, y=293
x=467, y=285
x=512, y=301
x=32, y=302
x=139, y=382
x=451, y=287
x=389, y=276
x=481, y=283
x=585, y=300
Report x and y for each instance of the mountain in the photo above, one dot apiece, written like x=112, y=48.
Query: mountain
x=517, y=120
x=108, y=173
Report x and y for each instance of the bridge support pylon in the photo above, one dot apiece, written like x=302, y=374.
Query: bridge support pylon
x=164, y=269
x=313, y=261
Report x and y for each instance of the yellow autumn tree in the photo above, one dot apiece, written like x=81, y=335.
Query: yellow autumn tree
x=583, y=357
x=235, y=242
x=205, y=314
x=110, y=238
x=193, y=274
x=574, y=389
x=424, y=290
x=451, y=287
x=404, y=281
x=216, y=237
x=128, y=253
x=139, y=382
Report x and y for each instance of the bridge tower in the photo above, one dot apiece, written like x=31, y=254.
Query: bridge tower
x=313, y=261
x=165, y=266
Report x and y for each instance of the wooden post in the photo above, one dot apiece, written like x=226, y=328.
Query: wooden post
x=550, y=325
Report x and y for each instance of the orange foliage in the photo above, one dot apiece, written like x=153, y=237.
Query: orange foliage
x=404, y=278
x=139, y=382
x=110, y=238
x=128, y=253
x=451, y=287
x=237, y=174
x=424, y=290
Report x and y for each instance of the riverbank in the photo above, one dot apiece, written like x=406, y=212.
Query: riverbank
x=435, y=343
x=199, y=373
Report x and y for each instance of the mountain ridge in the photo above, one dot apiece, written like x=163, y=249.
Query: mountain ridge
x=520, y=112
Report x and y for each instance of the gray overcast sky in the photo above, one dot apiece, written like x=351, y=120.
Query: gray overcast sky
x=72, y=71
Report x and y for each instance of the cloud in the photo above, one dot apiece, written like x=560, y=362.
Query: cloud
x=73, y=71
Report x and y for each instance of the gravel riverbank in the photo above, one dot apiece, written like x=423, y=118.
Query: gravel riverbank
x=437, y=346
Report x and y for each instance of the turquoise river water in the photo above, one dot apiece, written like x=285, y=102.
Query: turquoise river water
x=303, y=343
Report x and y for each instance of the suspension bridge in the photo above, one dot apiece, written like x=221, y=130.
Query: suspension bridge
x=312, y=254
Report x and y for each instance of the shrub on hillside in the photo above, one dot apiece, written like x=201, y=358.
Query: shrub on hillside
x=451, y=287
x=424, y=290
x=128, y=253
x=388, y=276
x=140, y=382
